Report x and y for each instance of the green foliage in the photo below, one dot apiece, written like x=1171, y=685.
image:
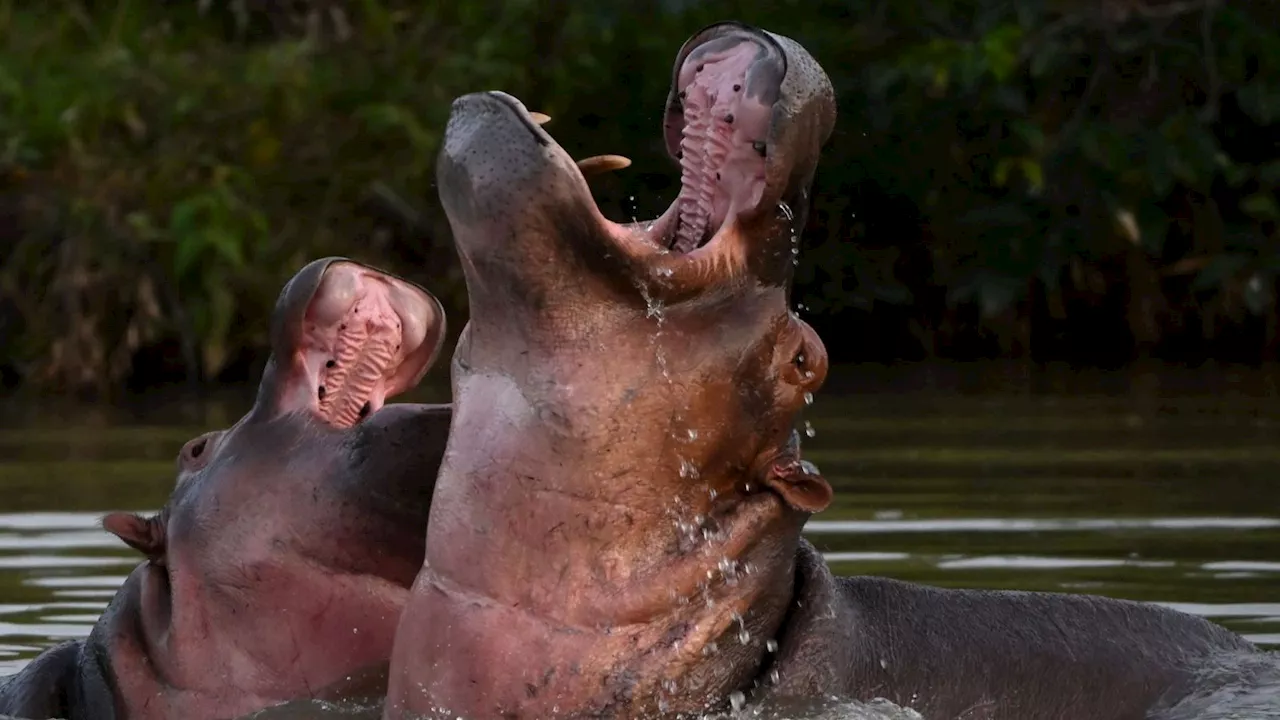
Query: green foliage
x=169, y=165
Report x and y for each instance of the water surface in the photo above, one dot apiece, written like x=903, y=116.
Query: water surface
x=1151, y=484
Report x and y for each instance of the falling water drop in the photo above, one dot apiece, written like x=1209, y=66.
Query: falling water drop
x=688, y=470
x=808, y=429
x=808, y=398
x=771, y=645
x=737, y=700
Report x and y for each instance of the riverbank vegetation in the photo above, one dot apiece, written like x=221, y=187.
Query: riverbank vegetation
x=1089, y=181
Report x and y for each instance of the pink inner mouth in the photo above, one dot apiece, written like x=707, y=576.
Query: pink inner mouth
x=722, y=146
x=352, y=383
x=358, y=334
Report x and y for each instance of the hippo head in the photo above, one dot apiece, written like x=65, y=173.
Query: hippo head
x=286, y=550
x=697, y=297
x=622, y=446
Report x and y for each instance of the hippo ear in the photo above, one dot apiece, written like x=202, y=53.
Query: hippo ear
x=345, y=337
x=797, y=481
x=800, y=485
x=146, y=535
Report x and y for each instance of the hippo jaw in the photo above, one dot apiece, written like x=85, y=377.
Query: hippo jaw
x=286, y=550
x=747, y=115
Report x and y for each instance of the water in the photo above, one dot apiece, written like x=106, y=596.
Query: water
x=1156, y=486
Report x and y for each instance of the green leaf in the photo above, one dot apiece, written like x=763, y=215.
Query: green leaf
x=1261, y=206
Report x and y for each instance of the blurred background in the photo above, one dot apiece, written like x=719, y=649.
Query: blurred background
x=1042, y=253
x=1091, y=182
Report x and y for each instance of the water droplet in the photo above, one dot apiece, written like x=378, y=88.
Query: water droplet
x=711, y=492
x=710, y=649
x=773, y=676
x=884, y=664
x=771, y=645
x=808, y=429
x=786, y=211
x=693, y=434
x=688, y=470
x=808, y=398
x=737, y=700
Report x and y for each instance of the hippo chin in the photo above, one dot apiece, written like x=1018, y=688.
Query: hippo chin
x=282, y=559
x=616, y=526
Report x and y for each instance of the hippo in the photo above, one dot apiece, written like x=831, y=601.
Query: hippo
x=616, y=529
x=279, y=565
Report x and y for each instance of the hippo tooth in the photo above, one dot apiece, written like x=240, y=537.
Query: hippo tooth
x=540, y=118
x=600, y=164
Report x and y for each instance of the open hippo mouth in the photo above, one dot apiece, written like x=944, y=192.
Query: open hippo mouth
x=345, y=337
x=718, y=127
x=746, y=116
x=353, y=337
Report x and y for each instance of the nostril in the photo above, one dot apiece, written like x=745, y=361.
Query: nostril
x=198, y=449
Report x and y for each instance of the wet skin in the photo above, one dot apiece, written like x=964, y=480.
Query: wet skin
x=622, y=456
x=282, y=559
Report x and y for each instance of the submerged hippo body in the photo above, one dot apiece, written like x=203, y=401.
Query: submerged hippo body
x=616, y=525
x=282, y=559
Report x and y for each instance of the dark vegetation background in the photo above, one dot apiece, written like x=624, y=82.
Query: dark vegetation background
x=1092, y=182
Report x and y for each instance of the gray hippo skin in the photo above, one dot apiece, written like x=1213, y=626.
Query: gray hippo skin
x=622, y=455
x=281, y=561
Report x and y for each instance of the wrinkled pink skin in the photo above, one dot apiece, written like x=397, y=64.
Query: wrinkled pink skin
x=284, y=555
